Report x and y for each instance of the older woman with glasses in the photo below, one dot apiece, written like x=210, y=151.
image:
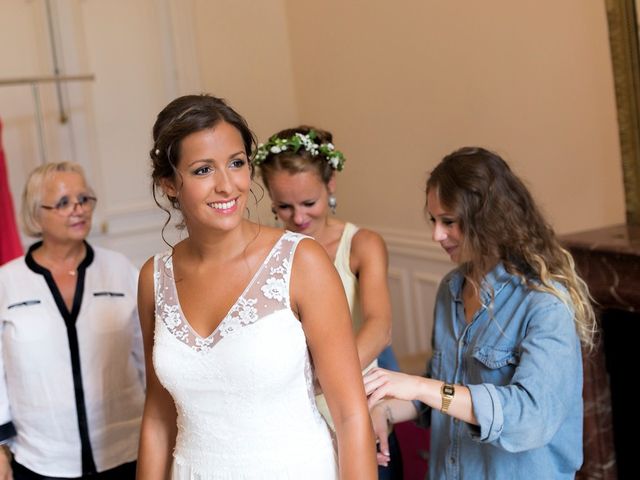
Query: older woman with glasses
x=71, y=390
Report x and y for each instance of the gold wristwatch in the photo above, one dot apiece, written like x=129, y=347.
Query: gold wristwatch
x=447, y=393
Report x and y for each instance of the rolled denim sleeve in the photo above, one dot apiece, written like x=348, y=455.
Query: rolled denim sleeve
x=488, y=411
x=545, y=391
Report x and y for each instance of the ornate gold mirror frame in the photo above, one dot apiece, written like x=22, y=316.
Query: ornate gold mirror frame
x=625, y=56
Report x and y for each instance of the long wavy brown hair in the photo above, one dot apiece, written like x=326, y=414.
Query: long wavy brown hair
x=501, y=222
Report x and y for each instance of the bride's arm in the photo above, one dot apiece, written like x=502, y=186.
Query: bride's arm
x=319, y=300
x=158, y=431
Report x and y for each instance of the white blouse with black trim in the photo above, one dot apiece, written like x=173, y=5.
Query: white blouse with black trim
x=72, y=385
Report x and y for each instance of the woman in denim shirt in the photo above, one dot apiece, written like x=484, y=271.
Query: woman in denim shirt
x=504, y=387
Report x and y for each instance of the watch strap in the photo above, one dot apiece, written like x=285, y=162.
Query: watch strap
x=447, y=392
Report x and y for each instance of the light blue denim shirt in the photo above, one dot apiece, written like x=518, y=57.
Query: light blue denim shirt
x=521, y=360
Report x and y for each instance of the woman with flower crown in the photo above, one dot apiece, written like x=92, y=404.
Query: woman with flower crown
x=298, y=167
x=237, y=319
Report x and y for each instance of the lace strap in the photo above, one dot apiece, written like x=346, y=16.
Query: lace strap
x=271, y=285
x=161, y=269
x=294, y=240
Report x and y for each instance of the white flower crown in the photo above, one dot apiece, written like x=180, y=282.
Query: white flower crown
x=276, y=145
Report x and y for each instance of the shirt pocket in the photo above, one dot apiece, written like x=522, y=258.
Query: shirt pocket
x=30, y=321
x=493, y=365
x=110, y=311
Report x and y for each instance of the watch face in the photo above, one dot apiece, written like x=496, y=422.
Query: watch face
x=448, y=390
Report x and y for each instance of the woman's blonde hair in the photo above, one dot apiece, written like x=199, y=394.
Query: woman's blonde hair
x=501, y=222
x=32, y=193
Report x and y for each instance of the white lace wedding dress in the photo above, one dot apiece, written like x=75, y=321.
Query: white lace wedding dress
x=244, y=395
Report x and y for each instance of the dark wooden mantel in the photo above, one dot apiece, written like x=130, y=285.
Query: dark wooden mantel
x=608, y=259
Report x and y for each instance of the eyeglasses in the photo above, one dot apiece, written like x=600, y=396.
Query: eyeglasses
x=65, y=206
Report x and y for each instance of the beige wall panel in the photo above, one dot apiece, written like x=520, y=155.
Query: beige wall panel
x=243, y=51
x=400, y=311
x=403, y=83
x=244, y=57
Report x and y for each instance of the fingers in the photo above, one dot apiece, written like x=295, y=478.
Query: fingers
x=383, y=460
x=374, y=374
x=377, y=396
x=372, y=385
x=382, y=455
x=381, y=430
x=384, y=444
x=377, y=387
x=374, y=379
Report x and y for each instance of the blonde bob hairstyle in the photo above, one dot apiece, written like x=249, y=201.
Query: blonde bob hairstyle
x=32, y=193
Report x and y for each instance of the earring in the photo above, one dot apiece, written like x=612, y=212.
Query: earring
x=275, y=215
x=333, y=203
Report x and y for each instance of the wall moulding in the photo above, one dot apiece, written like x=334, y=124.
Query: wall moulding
x=411, y=244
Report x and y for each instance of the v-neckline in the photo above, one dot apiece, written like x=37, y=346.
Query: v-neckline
x=253, y=279
x=69, y=315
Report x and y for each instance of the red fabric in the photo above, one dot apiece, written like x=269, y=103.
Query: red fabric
x=414, y=444
x=10, y=246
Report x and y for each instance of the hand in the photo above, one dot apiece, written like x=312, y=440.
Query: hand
x=380, y=421
x=5, y=464
x=380, y=383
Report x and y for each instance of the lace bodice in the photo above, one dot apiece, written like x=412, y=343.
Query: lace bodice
x=269, y=285
x=244, y=394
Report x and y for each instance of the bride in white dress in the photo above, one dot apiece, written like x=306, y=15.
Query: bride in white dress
x=237, y=319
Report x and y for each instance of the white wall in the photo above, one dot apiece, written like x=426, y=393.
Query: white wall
x=110, y=119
